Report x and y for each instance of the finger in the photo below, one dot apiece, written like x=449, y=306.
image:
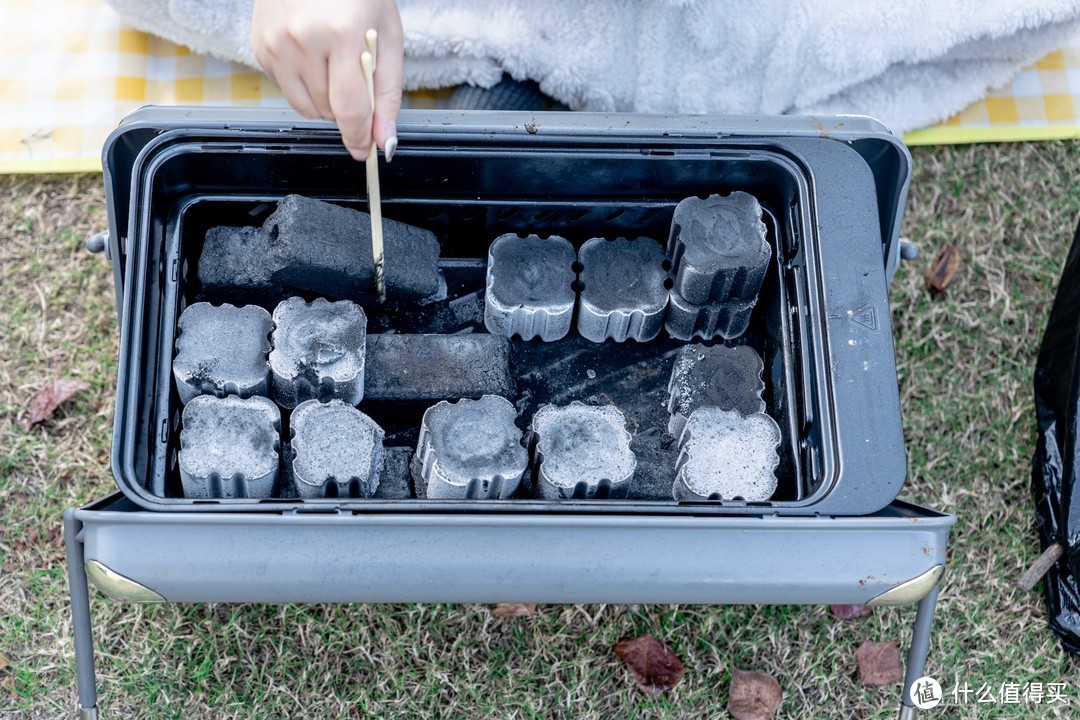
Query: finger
x=388, y=80
x=294, y=90
x=316, y=81
x=349, y=101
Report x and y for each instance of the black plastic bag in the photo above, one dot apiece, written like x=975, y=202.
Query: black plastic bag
x=1056, y=464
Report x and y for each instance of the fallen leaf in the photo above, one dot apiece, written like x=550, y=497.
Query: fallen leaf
x=4, y=662
x=879, y=663
x=19, y=545
x=655, y=668
x=8, y=686
x=55, y=393
x=941, y=271
x=753, y=695
x=513, y=610
x=851, y=612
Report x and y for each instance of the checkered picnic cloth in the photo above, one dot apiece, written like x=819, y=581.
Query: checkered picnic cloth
x=70, y=70
x=1042, y=102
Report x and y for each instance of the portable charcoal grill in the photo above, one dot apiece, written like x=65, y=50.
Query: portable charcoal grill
x=833, y=191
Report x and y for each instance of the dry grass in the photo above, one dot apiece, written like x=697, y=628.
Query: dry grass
x=965, y=369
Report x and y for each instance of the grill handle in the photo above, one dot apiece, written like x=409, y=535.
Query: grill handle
x=99, y=242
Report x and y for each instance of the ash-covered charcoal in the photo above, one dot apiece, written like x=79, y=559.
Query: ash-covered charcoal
x=530, y=287
x=437, y=367
x=470, y=449
x=229, y=447
x=623, y=294
x=221, y=350
x=319, y=247
x=685, y=321
x=723, y=377
x=337, y=451
x=236, y=258
x=718, y=249
x=395, y=481
x=318, y=351
x=581, y=451
x=725, y=455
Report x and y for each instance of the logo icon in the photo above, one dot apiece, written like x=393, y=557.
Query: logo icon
x=865, y=316
x=925, y=693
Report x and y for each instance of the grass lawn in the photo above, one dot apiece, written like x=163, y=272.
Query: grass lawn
x=965, y=363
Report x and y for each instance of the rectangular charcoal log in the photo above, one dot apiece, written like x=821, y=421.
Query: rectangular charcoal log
x=437, y=367
x=320, y=247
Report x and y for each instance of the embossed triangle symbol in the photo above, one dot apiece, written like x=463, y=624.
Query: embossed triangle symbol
x=865, y=316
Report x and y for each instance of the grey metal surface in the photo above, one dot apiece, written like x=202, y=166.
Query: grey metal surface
x=221, y=350
x=80, y=612
x=530, y=287
x=204, y=557
x=622, y=295
x=920, y=646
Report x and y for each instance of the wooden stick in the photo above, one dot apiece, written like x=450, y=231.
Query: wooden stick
x=1043, y=564
x=367, y=61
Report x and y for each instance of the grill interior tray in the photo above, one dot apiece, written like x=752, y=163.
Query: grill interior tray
x=821, y=324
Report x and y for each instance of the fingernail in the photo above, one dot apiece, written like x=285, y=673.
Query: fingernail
x=391, y=146
x=358, y=156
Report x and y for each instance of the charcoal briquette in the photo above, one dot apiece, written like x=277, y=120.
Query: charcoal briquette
x=229, y=447
x=221, y=350
x=319, y=351
x=623, y=295
x=530, y=287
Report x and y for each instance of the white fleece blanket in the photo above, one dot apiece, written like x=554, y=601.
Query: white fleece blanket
x=908, y=63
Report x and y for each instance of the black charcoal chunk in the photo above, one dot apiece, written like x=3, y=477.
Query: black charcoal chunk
x=728, y=378
x=530, y=287
x=437, y=367
x=623, y=295
x=395, y=483
x=235, y=257
x=326, y=248
x=319, y=247
x=718, y=249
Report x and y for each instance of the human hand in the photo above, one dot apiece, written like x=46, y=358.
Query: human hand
x=312, y=48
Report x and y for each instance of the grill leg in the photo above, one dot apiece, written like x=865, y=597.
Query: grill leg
x=920, y=648
x=80, y=616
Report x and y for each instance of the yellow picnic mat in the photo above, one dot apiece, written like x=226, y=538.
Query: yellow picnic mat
x=70, y=70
